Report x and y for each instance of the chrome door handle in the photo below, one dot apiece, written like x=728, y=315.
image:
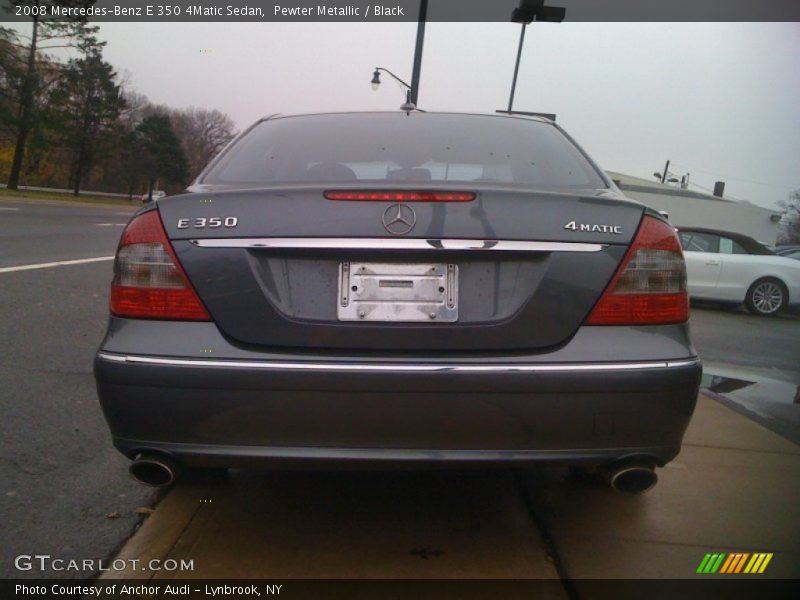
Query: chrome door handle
x=712, y=262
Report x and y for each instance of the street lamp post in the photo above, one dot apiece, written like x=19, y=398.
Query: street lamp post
x=376, y=81
x=526, y=12
x=516, y=67
x=423, y=13
x=412, y=91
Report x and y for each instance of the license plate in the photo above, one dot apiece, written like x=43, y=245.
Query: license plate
x=398, y=293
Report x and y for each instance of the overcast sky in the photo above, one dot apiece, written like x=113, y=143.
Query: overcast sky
x=721, y=100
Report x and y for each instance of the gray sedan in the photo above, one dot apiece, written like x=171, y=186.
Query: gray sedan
x=399, y=288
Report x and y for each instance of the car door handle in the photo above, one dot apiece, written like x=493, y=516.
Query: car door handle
x=713, y=263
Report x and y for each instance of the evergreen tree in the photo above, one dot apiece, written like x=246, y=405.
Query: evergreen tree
x=47, y=33
x=159, y=152
x=85, y=106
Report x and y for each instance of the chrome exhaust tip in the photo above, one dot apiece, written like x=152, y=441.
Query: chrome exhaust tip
x=154, y=470
x=631, y=477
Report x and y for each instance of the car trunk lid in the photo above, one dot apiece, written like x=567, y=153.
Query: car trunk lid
x=529, y=266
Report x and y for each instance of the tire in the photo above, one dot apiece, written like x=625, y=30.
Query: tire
x=766, y=297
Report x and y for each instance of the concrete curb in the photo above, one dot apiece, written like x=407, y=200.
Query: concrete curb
x=159, y=533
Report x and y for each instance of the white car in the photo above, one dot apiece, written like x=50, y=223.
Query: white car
x=731, y=267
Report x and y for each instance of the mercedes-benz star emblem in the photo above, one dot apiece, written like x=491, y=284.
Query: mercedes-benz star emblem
x=399, y=219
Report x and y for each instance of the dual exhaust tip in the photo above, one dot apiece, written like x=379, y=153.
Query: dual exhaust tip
x=630, y=477
x=154, y=470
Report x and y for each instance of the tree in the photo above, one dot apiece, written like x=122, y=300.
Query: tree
x=203, y=133
x=124, y=164
x=11, y=69
x=791, y=220
x=159, y=152
x=47, y=32
x=86, y=103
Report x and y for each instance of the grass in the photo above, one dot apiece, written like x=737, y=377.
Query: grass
x=66, y=197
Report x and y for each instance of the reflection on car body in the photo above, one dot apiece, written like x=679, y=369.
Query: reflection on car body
x=399, y=288
x=157, y=195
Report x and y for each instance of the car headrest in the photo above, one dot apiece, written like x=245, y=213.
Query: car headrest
x=330, y=172
x=410, y=174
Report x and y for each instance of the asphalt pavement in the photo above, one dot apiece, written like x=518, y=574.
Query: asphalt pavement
x=65, y=491
x=730, y=336
x=33, y=233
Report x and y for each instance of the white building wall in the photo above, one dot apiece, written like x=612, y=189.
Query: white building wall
x=738, y=217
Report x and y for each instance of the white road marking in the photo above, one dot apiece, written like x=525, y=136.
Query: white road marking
x=60, y=263
x=110, y=224
x=7, y=208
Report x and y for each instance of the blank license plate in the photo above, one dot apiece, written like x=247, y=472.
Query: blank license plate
x=401, y=293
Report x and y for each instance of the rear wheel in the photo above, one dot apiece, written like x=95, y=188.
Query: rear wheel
x=766, y=297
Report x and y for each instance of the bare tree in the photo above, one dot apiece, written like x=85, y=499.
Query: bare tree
x=203, y=133
x=790, y=233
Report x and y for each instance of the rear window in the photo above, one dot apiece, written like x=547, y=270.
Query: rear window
x=699, y=242
x=729, y=246
x=415, y=148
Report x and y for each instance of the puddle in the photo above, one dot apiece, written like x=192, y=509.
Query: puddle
x=775, y=404
x=765, y=391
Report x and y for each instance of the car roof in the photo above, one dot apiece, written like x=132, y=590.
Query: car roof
x=412, y=112
x=748, y=243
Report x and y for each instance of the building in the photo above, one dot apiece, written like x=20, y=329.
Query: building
x=689, y=208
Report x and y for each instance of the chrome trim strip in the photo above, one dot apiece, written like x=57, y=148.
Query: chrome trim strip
x=396, y=244
x=428, y=368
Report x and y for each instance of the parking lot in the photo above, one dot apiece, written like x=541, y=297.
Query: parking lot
x=66, y=491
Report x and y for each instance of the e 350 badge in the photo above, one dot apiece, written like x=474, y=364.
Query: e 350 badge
x=210, y=222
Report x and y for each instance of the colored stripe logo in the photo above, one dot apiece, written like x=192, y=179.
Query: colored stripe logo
x=734, y=563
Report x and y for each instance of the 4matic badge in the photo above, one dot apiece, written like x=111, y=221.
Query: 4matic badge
x=592, y=228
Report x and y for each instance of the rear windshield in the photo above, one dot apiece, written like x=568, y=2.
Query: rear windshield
x=415, y=148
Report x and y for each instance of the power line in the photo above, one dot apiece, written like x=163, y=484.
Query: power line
x=775, y=185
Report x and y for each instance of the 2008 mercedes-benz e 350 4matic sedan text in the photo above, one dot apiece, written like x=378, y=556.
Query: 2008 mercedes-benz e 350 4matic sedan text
x=399, y=287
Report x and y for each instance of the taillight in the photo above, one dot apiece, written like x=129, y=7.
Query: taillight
x=649, y=287
x=149, y=282
x=399, y=196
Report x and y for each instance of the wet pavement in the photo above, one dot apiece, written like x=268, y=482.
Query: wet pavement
x=773, y=403
x=751, y=363
x=733, y=488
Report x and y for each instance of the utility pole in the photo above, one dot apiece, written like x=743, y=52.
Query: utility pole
x=414, y=92
x=516, y=67
x=528, y=11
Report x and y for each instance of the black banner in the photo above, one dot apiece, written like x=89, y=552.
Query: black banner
x=298, y=11
x=733, y=588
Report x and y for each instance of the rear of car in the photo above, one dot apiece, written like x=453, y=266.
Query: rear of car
x=399, y=288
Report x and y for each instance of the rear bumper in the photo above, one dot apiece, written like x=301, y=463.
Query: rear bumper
x=213, y=412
